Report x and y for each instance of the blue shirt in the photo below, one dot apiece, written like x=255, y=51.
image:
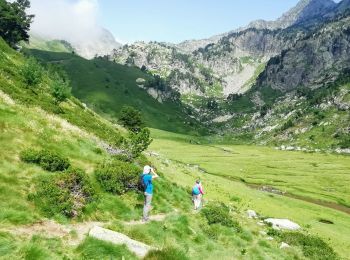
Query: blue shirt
x=147, y=180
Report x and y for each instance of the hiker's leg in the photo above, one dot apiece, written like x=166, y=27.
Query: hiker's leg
x=196, y=202
x=147, y=206
x=199, y=200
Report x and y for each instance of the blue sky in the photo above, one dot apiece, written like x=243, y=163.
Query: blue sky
x=149, y=20
x=178, y=20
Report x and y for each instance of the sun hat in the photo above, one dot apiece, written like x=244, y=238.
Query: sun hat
x=147, y=169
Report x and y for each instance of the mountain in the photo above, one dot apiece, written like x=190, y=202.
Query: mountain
x=101, y=43
x=303, y=11
x=313, y=61
x=228, y=63
x=42, y=43
x=50, y=211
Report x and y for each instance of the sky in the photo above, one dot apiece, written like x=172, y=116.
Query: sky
x=150, y=20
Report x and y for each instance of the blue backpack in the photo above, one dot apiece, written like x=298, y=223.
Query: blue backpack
x=195, y=190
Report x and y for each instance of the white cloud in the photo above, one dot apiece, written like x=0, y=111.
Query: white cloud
x=72, y=20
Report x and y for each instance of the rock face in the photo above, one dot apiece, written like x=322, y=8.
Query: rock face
x=282, y=224
x=318, y=58
x=140, y=249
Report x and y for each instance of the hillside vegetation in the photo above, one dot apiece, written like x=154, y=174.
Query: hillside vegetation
x=106, y=87
x=42, y=136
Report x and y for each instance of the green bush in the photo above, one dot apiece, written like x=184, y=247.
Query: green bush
x=219, y=213
x=32, y=72
x=30, y=156
x=166, y=254
x=287, y=125
x=139, y=142
x=60, y=89
x=117, y=177
x=48, y=160
x=313, y=247
x=131, y=118
x=65, y=194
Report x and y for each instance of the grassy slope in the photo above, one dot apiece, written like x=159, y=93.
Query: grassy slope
x=27, y=120
x=37, y=42
x=317, y=176
x=106, y=87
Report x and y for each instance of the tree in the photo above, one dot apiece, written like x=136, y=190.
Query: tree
x=139, y=142
x=131, y=118
x=14, y=22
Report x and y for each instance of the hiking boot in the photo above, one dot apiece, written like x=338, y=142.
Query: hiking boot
x=145, y=220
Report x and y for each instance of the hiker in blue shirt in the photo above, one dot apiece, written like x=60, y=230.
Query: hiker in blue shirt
x=146, y=181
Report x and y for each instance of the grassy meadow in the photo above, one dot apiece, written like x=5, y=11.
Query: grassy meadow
x=226, y=171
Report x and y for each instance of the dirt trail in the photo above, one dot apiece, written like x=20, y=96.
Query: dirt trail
x=72, y=233
x=158, y=218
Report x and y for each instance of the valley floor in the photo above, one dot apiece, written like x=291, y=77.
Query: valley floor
x=229, y=172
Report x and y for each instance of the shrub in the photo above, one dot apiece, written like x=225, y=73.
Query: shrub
x=219, y=213
x=166, y=254
x=313, y=247
x=60, y=89
x=65, y=194
x=287, y=125
x=139, y=142
x=345, y=142
x=32, y=72
x=117, y=177
x=30, y=156
x=131, y=118
x=48, y=160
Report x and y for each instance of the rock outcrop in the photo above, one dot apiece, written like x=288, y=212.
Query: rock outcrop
x=138, y=248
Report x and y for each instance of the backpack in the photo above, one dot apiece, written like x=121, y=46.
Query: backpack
x=142, y=183
x=195, y=190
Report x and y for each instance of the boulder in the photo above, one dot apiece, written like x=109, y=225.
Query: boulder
x=282, y=224
x=251, y=214
x=284, y=245
x=140, y=249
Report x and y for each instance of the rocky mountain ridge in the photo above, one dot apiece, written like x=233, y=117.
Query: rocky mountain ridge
x=318, y=59
x=229, y=63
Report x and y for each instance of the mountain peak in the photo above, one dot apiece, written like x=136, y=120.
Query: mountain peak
x=303, y=11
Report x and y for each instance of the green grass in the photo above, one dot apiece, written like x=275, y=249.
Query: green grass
x=318, y=176
x=106, y=87
x=226, y=169
x=95, y=250
x=37, y=42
